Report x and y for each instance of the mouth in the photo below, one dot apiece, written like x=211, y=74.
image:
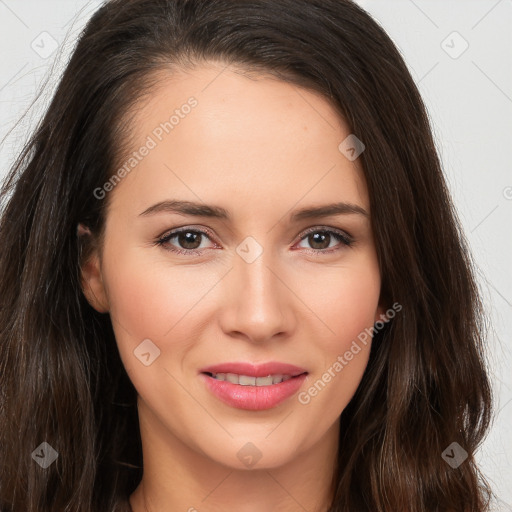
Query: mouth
x=248, y=380
x=250, y=387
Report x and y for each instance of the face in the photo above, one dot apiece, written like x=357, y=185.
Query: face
x=245, y=284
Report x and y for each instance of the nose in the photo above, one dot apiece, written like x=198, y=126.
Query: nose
x=257, y=304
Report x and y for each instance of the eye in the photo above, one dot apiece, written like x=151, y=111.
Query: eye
x=323, y=240
x=188, y=241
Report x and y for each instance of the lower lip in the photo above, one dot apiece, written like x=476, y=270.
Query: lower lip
x=253, y=398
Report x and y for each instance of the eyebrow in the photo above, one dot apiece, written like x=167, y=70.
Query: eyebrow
x=204, y=210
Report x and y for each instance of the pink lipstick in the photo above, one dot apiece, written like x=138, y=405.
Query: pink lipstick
x=253, y=387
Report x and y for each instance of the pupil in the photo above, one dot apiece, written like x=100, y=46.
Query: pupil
x=186, y=240
x=318, y=238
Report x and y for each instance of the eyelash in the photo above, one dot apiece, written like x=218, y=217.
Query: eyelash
x=344, y=238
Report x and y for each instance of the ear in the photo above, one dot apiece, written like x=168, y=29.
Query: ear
x=382, y=308
x=91, y=275
x=380, y=314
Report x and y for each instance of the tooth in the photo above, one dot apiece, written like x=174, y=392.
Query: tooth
x=264, y=381
x=245, y=380
x=232, y=377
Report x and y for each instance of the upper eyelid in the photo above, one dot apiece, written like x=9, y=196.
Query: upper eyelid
x=176, y=231
x=205, y=231
x=319, y=228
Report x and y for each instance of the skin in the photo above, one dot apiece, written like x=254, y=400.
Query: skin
x=260, y=148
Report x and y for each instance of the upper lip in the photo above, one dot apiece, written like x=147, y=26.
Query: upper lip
x=255, y=370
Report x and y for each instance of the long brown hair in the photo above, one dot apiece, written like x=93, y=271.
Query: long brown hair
x=61, y=377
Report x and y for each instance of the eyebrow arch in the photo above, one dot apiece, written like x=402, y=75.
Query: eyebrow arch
x=204, y=210
x=187, y=208
x=328, y=210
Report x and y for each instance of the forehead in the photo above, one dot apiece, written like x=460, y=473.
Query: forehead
x=213, y=131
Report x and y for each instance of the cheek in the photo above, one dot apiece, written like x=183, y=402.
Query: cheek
x=347, y=308
x=157, y=301
x=344, y=299
x=150, y=296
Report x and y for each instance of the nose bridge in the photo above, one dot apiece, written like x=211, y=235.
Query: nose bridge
x=259, y=305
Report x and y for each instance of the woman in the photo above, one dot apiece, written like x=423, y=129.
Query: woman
x=232, y=276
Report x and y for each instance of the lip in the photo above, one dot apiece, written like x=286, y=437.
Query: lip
x=254, y=398
x=255, y=370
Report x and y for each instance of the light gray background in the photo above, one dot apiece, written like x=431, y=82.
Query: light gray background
x=468, y=92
